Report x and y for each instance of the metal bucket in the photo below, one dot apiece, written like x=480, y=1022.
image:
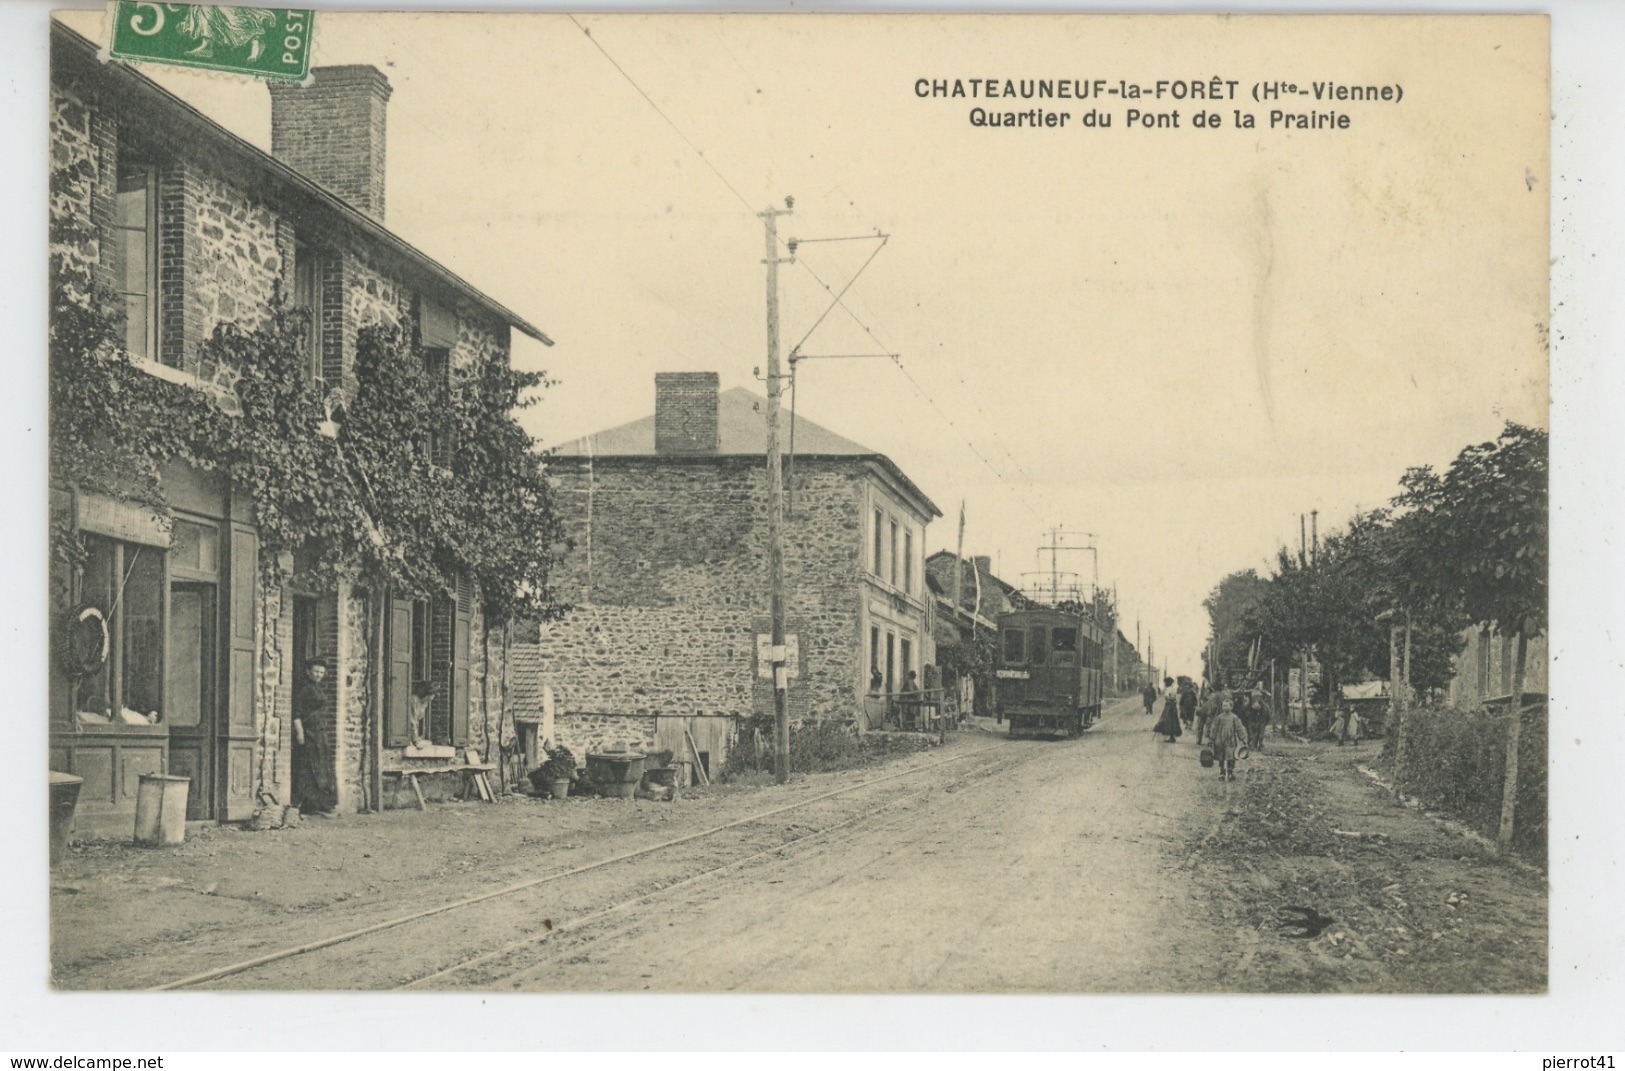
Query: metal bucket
x=160, y=810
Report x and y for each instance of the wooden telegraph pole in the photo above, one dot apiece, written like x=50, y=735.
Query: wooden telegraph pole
x=775, y=495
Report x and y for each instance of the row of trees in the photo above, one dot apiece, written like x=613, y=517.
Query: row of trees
x=1463, y=547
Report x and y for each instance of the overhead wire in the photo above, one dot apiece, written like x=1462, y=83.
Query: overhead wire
x=839, y=301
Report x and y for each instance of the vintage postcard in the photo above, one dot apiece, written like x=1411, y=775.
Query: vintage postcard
x=798, y=503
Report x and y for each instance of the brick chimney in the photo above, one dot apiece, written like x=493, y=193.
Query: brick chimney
x=686, y=409
x=332, y=131
x=984, y=564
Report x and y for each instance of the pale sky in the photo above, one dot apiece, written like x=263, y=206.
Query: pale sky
x=1175, y=339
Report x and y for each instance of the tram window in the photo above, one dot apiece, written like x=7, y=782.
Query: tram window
x=1038, y=645
x=1015, y=643
x=1063, y=639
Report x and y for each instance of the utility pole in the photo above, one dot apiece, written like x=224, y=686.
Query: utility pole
x=959, y=565
x=775, y=496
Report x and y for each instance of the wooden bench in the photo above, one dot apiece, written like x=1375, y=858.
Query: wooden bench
x=475, y=773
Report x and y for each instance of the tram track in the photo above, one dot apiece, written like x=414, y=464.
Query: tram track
x=539, y=967
x=364, y=941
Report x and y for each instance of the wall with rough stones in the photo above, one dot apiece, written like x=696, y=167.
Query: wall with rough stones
x=583, y=733
x=668, y=579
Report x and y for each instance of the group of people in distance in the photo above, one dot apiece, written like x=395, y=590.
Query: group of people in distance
x=1226, y=719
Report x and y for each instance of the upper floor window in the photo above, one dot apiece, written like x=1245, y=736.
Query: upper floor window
x=893, y=574
x=908, y=561
x=134, y=258
x=880, y=533
x=307, y=295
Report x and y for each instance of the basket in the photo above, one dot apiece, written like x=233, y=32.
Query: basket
x=1207, y=756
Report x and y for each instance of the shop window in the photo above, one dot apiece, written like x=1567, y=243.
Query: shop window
x=125, y=582
x=135, y=254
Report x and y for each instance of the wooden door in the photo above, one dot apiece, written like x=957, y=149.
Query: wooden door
x=192, y=704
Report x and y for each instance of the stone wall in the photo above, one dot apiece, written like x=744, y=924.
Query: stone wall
x=668, y=577
x=83, y=143
x=582, y=733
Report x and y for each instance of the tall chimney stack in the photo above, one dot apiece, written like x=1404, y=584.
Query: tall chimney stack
x=686, y=412
x=332, y=132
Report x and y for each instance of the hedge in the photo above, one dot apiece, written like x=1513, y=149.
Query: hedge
x=1455, y=762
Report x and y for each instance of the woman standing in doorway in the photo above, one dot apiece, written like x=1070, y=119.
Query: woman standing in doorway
x=314, y=789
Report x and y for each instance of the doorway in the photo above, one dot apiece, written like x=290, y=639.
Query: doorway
x=305, y=649
x=191, y=679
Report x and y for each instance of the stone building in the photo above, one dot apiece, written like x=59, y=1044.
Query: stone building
x=971, y=623
x=1484, y=669
x=190, y=226
x=667, y=518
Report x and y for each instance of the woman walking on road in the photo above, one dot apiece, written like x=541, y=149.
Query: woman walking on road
x=1168, y=724
x=1229, y=736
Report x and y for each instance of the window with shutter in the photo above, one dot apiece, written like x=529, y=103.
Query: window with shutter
x=307, y=295
x=439, y=441
x=134, y=254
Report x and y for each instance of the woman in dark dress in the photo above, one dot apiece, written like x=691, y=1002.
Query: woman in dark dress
x=1168, y=724
x=314, y=788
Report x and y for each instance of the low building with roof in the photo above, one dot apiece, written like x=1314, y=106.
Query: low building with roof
x=667, y=572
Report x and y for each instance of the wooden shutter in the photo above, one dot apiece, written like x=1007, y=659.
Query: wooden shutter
x=236, y=743
x=398, y=712
x=460, y=640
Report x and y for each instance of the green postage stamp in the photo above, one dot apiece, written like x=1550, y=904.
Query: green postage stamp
x=267, y=42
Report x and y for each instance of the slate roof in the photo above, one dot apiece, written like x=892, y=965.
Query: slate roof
x=191, y=126
x=741, y=432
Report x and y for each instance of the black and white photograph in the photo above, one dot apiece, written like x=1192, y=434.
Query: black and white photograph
x=799, y=504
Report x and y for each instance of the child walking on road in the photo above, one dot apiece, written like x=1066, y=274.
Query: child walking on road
x=1228, y=737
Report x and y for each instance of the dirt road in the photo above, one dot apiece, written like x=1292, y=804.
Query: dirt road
x=1057, y=872
x=1111, y=863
